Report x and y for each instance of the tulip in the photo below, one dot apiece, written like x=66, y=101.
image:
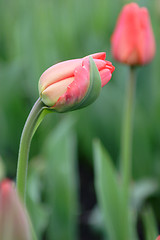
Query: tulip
x=13, y=218
x=158, y=238
x=74, y=84
x=133, y=41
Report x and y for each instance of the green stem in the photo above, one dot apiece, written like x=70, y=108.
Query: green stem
x=26, y=138
x=127, y=130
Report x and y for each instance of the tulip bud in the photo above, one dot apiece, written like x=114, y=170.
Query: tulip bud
x=76, y=83
x=158, y=238
x=13, y=218
x=133, y=41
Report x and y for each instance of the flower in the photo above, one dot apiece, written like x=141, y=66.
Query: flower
x=74, y=84
x=13, y=218
x=133, y=41
x=158, y=238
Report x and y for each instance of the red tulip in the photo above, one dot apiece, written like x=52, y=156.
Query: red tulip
x=133, y=40
x=13, y=218
x=158, y=238
x=66, y=85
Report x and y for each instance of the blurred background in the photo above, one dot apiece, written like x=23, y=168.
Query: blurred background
x=35, y=34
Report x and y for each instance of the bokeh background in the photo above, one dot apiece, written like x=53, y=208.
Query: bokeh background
x=35, y=34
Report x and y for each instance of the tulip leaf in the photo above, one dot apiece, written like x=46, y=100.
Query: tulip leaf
x=149, y=222
x=110, y=198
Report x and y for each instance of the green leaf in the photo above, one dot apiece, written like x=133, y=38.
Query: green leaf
x=61, y=189
x=109, y=193
x=150, y=226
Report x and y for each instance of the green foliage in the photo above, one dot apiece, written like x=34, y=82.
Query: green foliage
x=110, y=195
x=61, y=182
x=150, y=226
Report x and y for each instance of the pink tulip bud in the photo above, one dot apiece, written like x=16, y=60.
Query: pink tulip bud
x=133, y=41
x=158, y=238
x=13, y=218
x=64, y=86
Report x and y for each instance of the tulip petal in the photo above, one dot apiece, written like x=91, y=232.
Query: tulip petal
x=55, y=73
x=14, y=223
x=99, y=63
x=80, y=84
x=105, y=75
x=148, y=47
x=110, y=66
x=127, y=26
x=133, y=40
x=75, y=91
x=101, y=55
x=59, y=88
